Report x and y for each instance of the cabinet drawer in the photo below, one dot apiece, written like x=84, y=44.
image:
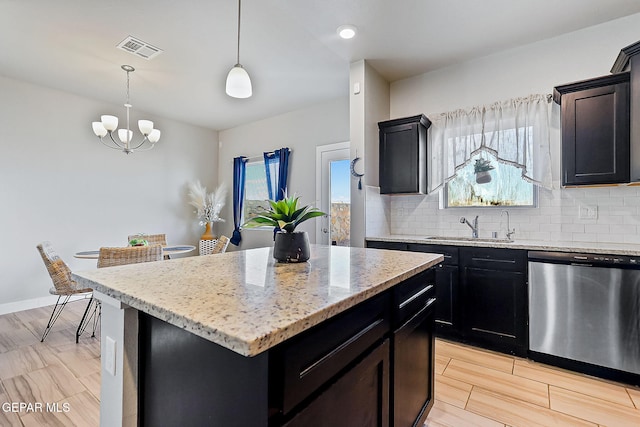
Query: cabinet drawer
x=312, y=359
x=494, y=259
x=450, y=253
x=399, y=246
x=412, y=295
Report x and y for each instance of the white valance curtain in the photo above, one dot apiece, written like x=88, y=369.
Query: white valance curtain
x=515, y=131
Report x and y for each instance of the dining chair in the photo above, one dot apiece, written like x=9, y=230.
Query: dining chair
x=112, y=256
x=221, y=245
x=153, y=239
x=65, y=287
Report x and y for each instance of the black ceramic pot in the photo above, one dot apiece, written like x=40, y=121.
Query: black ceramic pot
x=291, y=247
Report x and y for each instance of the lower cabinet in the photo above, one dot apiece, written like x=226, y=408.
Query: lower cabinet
x=494, y=284
x=359, y=398
x=481, y=295
x=370, y=366
x=413, y=368
x=447, y=314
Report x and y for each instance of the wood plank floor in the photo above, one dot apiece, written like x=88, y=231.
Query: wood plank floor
x=474, y=387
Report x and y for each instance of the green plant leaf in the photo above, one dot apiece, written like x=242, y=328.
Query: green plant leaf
x=260, y=221
x=309, y=215
x=284, y=214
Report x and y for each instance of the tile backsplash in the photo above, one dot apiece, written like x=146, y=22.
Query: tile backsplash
x=602, y=214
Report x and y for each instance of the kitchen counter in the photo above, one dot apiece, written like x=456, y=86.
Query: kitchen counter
x=246, y=301
x=239, y=339
x=531, y=245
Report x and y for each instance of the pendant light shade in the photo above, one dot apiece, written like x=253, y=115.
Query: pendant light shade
x=238, y=81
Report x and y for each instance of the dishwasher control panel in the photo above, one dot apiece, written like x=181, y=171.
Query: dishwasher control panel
x=584, y=258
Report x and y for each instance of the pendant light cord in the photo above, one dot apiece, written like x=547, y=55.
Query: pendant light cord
x=238, y=53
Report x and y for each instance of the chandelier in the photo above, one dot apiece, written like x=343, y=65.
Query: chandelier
x=109, y=124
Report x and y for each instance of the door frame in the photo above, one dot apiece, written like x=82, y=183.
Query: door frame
x=320, y=150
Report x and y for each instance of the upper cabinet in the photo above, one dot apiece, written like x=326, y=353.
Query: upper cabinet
x=595, y=130
x=403, y=155
x=629, y=60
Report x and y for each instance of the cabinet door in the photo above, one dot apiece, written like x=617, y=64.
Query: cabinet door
x=595, y=135
x=413, y=369
x=359, y=398
x=446, y=315
x=403, y=159
x=495, y=309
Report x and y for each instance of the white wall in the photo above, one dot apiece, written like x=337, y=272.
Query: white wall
x=59, y=183
x=301, y=130
x=535, y=68
x=367, y=108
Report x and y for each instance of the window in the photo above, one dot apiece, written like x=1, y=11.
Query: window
x=256, y=193
x=512, y=135
x=500, y=186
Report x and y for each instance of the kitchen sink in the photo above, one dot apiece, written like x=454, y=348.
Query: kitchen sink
x=468, y=239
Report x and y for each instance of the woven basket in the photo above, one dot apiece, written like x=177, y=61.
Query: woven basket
x=206, y=246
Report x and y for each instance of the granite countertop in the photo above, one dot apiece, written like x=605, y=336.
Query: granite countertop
x=532, y=245
x=245, y=300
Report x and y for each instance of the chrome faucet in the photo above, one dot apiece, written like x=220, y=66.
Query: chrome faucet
x=474, y=227
x=510, y=232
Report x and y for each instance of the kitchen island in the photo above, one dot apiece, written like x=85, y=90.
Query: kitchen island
x=238, y=339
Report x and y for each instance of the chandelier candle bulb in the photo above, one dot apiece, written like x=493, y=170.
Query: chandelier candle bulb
x=99, y=129
x=146, y=126
x=122, y=134
x=110, y=123
x=154, y=136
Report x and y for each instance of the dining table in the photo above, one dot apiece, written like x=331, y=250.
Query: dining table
x=166, y=250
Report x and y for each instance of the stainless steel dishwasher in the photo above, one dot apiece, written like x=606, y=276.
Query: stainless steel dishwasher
x=586, y=307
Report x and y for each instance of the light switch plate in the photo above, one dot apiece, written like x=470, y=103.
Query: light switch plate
x=588, y=212
x=110, y=356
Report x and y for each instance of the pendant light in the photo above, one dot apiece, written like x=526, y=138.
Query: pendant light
x=238, y=81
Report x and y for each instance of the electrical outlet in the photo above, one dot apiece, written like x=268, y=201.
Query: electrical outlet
x=110, y=356
x=588, y=212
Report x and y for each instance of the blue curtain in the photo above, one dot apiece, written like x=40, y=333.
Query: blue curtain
x=239, y=168
x=276, y=166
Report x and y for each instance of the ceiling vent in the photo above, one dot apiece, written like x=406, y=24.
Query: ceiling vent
x=139, y=48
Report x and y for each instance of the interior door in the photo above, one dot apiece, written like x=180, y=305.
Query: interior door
x=333, y=193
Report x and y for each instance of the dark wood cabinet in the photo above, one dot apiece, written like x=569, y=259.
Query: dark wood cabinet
x=447, y=314
x=494, y=288
x=413, y=368
x=595, y=130
x=358, y=398
x=371, y=365
x=398, y=246
x=403, y=155
x=481, y=295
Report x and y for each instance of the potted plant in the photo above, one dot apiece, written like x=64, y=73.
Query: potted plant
x=285, y=216
x=481, y=168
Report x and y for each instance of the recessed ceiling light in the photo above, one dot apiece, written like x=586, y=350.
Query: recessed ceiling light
x=347, y=31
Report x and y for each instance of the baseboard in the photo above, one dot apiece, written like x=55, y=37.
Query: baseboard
x=12, y=307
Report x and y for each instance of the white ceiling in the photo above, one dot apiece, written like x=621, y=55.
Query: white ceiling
x=289, y=47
